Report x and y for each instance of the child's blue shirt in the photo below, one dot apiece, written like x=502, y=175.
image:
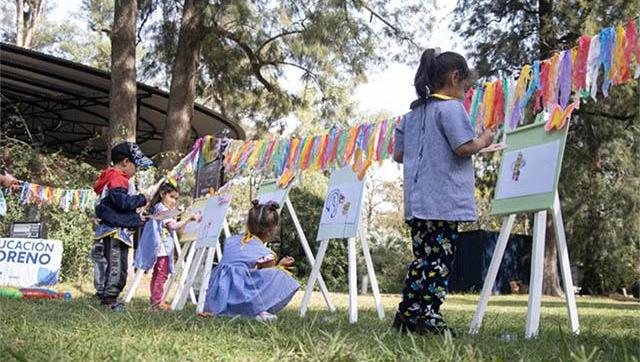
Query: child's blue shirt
x=155, y=235
x=438, y=184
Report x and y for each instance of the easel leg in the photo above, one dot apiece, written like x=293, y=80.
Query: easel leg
x=537, y=266
x=309, y=254
x=490, y=278
x=315, y=271
x=193, y=271
x=204, y=284
x=183, y=277
x=372, y=277
x=565, y=267
x=183, y=266
x=134, y=285
x=177, y=268
x=353, y=282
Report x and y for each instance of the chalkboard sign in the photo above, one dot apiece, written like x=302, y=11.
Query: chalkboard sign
x=208, y=176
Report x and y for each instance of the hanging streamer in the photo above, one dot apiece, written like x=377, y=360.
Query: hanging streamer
x=633, y=46
x=559, y=116
x=564, y=80
x=580, y=64
x=593, y=66
x=607, y=38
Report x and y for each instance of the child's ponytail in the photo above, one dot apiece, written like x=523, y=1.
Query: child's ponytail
x=433, y=70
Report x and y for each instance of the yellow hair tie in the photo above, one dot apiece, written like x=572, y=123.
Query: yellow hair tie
x=247, y=236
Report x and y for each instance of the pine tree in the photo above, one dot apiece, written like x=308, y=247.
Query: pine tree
x=599, y=185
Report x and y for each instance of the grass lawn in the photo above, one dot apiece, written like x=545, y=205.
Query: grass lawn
x=80, y=330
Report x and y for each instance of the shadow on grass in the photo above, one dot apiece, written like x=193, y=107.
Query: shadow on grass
x=561, y=304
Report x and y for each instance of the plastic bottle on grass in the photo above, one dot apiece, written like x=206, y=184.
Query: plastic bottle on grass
x=10, y=293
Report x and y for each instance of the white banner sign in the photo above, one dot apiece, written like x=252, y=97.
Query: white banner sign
x=29, y=262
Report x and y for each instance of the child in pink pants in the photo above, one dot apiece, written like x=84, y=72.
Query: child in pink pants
x=155, y=249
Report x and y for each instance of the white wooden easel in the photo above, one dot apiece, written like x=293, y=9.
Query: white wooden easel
x=191, y=269
x=178, y=267
x=309, y=254
x=353, y=280
x=282, y=198
x=537, y=266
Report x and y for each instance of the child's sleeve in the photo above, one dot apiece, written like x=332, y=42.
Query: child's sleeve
x=171, y=224
x=125, y=202
x=398, y=141
x=265, y=259
x=455, y=123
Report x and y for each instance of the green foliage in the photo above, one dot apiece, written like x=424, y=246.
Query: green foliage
x=599, y=182
x=391, y=254
x=601, y=162
x=73, y=228
x=261, y=61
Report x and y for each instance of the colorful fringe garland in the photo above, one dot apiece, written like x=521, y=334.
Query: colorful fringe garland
x=358, y=146
x=555, y=81
x=74, y=199
x=551, y=82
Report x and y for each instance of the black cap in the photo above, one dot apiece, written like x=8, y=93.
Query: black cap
x=132, y=152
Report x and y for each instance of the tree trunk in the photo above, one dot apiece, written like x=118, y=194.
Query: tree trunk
x=550, y=281
x=20, y=22
x=35, y=12
x=546, y=45
x=26, y=23
x=182, y=92
x=122, y=100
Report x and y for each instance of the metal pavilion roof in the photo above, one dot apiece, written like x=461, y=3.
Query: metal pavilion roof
x=65, y=106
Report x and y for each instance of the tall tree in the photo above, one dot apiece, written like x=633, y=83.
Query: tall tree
x=122, y=95
x=535, y=29
x=182, y=92
x=28, y=14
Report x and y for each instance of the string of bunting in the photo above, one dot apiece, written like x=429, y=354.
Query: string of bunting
x=358, y=146
x=67, y=199
x=85, y=199
x=567, y=76
x=555, y=85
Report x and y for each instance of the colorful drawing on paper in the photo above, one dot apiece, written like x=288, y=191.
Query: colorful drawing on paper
x=337, y=206
x=341, y=210
x=336, y=201
x=517, y=166
x=192, y=228
x=528, y=171
x=212, y=220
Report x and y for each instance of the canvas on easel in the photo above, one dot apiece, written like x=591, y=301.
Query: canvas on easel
x=207, y=242
x=340, y=219
x=269, y=190
x=528, y=182
x=192, y=228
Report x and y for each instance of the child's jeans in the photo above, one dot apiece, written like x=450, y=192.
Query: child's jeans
x=99, y=267
x=159, y=277
x=116, y=253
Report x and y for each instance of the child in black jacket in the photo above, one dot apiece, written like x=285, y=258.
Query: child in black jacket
x=117, y=212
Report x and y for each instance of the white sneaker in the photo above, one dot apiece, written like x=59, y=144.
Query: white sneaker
x=266, y=317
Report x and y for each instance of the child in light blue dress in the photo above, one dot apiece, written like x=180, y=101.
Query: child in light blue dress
x=250, y=281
